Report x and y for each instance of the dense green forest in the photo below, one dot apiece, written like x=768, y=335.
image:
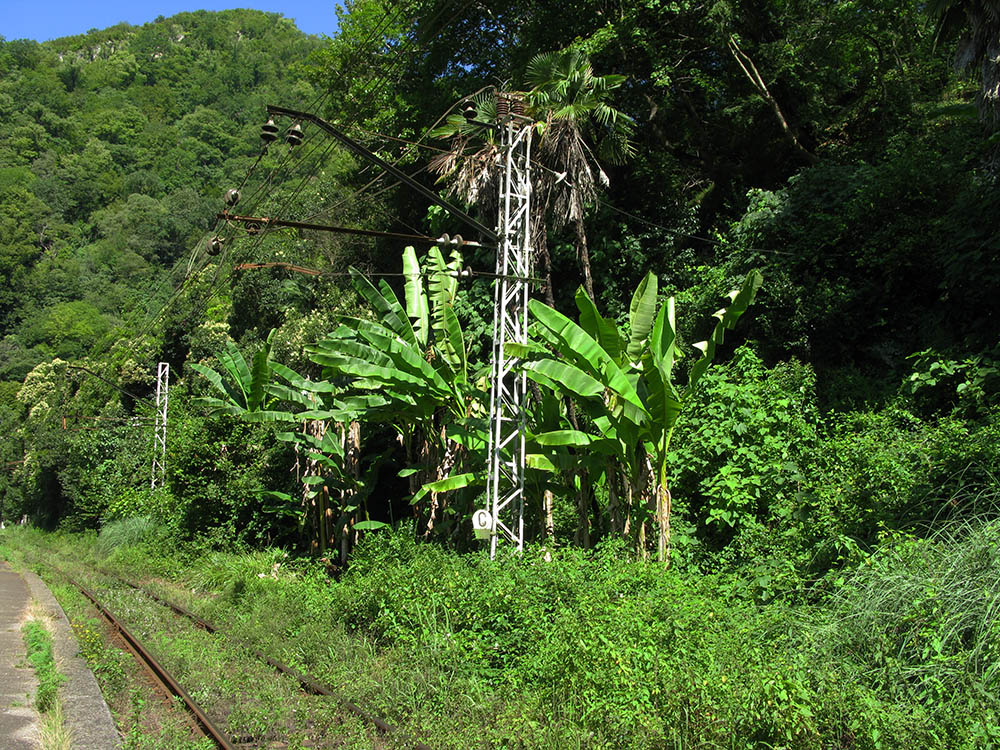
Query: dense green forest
x=834, y=163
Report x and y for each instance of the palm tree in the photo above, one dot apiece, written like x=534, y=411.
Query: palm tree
x=579, y=127
x=979, y=44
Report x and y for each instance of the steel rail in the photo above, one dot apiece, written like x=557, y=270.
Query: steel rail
x=157, y=669
x=308, y=682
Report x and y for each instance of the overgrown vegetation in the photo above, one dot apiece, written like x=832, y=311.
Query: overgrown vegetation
x=595, y=649
x=827, y=488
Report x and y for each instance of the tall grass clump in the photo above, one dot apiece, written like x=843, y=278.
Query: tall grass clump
x=920, y=620
x=130, y=532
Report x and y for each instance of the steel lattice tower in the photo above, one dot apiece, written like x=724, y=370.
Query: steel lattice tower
x=510, y=324
x=160, y=427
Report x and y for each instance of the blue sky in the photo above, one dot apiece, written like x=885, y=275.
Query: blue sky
x=50, y=19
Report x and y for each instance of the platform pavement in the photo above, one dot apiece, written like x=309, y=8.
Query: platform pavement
x=86, y=715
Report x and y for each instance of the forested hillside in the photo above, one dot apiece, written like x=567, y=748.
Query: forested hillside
x=833, y=163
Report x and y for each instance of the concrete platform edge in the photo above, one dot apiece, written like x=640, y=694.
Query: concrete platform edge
x=85, y=712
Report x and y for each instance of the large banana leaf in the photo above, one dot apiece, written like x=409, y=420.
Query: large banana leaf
x=374, y=333
x=417, y=309
x=247, y=388
x=454, y=340
x=640, y=316
x=568, y=377
x=259, y=375
x=327, y=352
x=388, y=309
x=297, y=381
x=584, y=351
x=233, y=363
x=604, y=331
x=216, y=380
x=442, y=285
x=455, y=482
x=574, y=438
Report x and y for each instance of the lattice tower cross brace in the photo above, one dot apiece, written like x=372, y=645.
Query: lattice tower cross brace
x=510, y=324
x=160, y=426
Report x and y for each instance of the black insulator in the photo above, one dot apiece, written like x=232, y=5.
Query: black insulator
x=232, y=197
x=503, y=106
x=294, y=135
x=469, y=111
x=214, y=246
x=268, y=131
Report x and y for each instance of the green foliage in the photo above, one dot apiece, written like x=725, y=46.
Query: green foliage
x=627, y=386
x=738, y=461
x=968, y=386
x=891, y=469
x=919, y=617
x=871, y=254
x=39, y=644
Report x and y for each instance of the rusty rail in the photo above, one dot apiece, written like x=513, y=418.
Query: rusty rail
x=309, y=683
x=156, y=669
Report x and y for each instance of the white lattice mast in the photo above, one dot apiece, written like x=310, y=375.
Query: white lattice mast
x=160, y=426
x=510, y=324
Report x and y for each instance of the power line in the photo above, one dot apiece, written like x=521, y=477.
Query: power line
x=108, y=382
x=465, y=273
x=373, y=89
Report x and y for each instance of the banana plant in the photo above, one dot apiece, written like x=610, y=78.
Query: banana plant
x=251, y=393
x=625, y=384
x=244, y=392
x=413, y=358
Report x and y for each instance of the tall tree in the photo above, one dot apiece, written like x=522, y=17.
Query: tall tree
x=579, y=126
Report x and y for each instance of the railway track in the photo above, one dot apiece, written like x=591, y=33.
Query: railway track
x=200, y=720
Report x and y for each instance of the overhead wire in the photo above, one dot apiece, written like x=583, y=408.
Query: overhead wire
x=309, y=173
x=318, y=102
x=373, y=89
x=360, y=191
x=388, y=17
x=357, y=193
x=606, y=204
x=465, y=273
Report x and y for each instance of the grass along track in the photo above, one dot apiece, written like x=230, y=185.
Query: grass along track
x=253, y=701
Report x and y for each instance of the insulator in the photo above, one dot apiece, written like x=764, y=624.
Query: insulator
x=457, y=240
x=253, y=228
x=517, y=105
x=232, y=197
x=294, y=135
x=214, y=246
x=503, y=106
x=268, y=131
x=444, y=239
x=469, y=111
